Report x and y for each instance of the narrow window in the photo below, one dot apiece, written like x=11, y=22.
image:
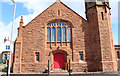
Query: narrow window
x=95, y=39
x=102, y=15
x=8, y=56
x=93, y=17
x=68, y=34
x=58, y=34
x=118, y=55
x=52, y=24
x=5, y=57
x=63, y=34
x=48, y=34
x=58, y=24
x=80, y=55
x=58, y=12
x=37, y=56
x=53, y=34
x=8, y=47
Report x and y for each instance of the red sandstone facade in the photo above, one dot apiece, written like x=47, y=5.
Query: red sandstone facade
x=117, y=49
x=92, y=39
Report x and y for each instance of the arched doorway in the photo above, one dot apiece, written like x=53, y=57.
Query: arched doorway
x=59, y=61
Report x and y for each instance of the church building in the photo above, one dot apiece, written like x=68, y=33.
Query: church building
x=59, y=34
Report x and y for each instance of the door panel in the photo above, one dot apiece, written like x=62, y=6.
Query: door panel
x=59, y=60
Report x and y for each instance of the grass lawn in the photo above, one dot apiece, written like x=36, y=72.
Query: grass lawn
x=2, y=67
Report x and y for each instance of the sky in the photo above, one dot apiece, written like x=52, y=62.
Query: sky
x=29, y=9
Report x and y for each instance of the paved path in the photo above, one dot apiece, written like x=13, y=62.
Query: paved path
x=64, y=75
x=2, y=72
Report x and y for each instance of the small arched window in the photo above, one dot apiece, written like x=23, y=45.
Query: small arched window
x=59, y=31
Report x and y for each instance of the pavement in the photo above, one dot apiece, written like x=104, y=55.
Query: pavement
x=2, y=72
x=60, y=75
x=67, y=74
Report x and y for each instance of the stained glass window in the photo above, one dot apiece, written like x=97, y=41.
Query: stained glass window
x=68, y=34
x=63, y=34
x=58, y=34
x=53, y=34
x=58, y=29
x=48, y=34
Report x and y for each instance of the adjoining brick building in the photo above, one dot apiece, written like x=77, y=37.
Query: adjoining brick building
x=59, y=34
x=117, y=49
x=5, y=51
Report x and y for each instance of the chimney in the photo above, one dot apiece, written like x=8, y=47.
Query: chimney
x=5, y=40
x=58, y=1
x=20, y=27
x=8, y=38
x=21, y=21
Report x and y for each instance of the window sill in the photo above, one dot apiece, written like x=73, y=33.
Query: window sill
x=118, y=59
x=36, y=61
x=60, y=42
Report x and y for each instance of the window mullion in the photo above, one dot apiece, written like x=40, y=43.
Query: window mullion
x=55, y=33
x=51, y=34
x=66, y=33
x=66, y=36
x=61, y=35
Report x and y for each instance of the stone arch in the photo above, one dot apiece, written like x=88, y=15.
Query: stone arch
x=53, y=52
x=59, y=30
x=60, y=20
x=61, y=51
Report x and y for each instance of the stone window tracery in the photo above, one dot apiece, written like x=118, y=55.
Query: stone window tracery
x=59, y=31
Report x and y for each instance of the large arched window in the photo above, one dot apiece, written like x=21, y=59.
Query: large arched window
x=59, y=31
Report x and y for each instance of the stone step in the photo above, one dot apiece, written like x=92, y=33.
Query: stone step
x=59, y=71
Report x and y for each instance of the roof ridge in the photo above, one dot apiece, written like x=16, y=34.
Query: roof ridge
x=58, y=1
